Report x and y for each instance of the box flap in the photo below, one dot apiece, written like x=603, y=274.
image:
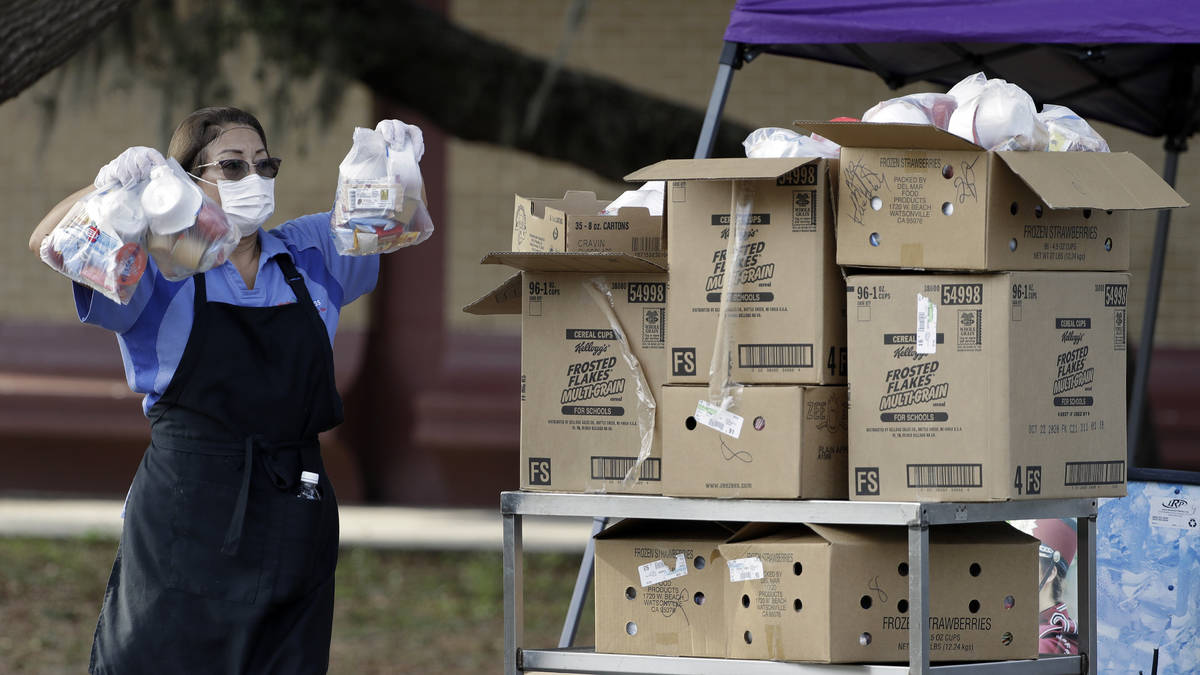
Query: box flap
x=723, y=168
x=668, y=530
x=599, y=261
x=890, y=135
x=764, y=532
x=1092, y=180
x=503, y=299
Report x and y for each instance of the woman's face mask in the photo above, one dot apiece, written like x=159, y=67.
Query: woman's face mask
x=248, y=202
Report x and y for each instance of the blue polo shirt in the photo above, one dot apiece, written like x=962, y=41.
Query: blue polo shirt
x=154, y=327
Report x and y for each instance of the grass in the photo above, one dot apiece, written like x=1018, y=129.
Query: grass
x=397, y=611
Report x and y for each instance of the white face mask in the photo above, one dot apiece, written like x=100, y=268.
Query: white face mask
x=248, y=202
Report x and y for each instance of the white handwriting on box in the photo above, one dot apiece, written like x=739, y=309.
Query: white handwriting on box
x=926, y=325
x=1175, y=512
x=745, y=569
x=717, y=419
x=657, y=572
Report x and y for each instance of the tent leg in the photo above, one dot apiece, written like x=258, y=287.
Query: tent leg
x=730, y=60
x=1141, y=374
x=582, y=583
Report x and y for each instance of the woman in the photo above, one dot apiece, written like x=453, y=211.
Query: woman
x=221, y=567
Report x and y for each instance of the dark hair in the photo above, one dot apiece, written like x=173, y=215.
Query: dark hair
x=200, y=128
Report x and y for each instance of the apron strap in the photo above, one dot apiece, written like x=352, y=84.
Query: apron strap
x=293, y=278
x=233, y=535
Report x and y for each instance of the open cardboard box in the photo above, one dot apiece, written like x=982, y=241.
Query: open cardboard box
x=592, y=362
x=785, y=310
x=917, y=197
x=574, y=224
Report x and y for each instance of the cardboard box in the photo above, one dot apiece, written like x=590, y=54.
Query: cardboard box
x=1022, y=397
x=574, y=224
x=839, y=594
x=917, y=197
x=660, y=588
x=592, y=363
x=792, y=444
x=786, y=314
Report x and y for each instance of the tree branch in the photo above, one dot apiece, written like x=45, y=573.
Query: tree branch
x=480, y=90
x=40, y=36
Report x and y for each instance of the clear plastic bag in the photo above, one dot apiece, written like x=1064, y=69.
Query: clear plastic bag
x=997, y=115
x=93, y=254
x=187, y=233
x=1069, y=132
x=379, y=205
x=779, y=142
x=649, y=197
x=928, y=108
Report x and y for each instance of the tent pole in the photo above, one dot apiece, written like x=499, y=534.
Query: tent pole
x=731, y=59
x=1141, y=374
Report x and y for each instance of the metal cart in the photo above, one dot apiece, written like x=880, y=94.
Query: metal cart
x=918, y=517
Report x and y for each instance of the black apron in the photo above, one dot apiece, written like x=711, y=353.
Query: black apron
x=221, y=567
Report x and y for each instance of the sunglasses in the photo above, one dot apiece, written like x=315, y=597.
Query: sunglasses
x=236, y=169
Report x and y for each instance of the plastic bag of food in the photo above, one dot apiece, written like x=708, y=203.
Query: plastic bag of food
x=1000, y=116
x=379, y=205
x=1069, y=132
x=649, y=196
x=93, y=253
x=779, y=142
x=187, y=232
x=929, y=108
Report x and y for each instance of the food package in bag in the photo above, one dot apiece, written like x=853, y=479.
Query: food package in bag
x=926, y=108
x=379, y=206
x=187, y=233
x=779, y=142
x=1069, y=132
x=997, y=115
x=93, y=253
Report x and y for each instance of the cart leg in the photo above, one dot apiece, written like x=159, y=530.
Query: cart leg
x=514, y=593
x=1087, y=592
x=582, y=583
x=918, y=599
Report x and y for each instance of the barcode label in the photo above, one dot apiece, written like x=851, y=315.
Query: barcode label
x=1095, y=473
x=745, y=569
x=717, y=419
x=926, y=325
x=615, y=468
x=945, y=475
x=642, y=244
x=775, y=356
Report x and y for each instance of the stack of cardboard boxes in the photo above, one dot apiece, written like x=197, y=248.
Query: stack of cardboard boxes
x=988, y=357
x=979, y=314
x=756, y=319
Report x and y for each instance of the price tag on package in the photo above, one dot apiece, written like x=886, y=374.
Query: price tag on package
x=657, y=572
x=926, y=325
x=723, y=421
x=745, y=569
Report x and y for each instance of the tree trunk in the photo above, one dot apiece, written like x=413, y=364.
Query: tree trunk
x=37, y=37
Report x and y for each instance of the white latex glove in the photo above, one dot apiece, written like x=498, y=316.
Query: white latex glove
x=130, y=167
x=401, y=136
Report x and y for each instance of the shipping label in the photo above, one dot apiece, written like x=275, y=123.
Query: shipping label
x=745, y=569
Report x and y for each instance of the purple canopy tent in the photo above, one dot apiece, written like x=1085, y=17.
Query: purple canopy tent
x=1127, y=62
